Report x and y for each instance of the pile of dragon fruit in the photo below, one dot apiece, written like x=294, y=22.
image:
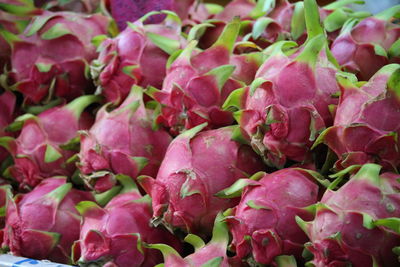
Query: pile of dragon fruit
x=182, y=133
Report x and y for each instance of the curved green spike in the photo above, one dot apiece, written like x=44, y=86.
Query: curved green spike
x=394, y=50
x=166, y=44
x=19, y=122
x=285, y=261
x=9, y=37
x=39, y=109
x=166, y=250
x=127, y=183
x=193, y=131
x=260, y=25
x=186, y=53
x=141, y=162
x=261, y=8
x=349, y=25
x=298, y=23
x=313, y=23
x=56, y=31
x=213, y=8
x=84, y=207
x=59, y=193
x=220, y=232
x=389, y=13
x=393, y=84
x=103, y=198
x=369, y=171
x=312, y=49
x=51, y=154
x=237, y=135
x=316, y=176
x=234, y=99
x=198, y=30
x=37, y=24
x=26, y=9
x=285, y=48
x=235, y=190
x=392, y=223
x=340, y=175
x=222, y=74
x=342, y=3
x=78, y=105
x=228, y=36
x=303, y=224
x=195, y=241
x=335, y=20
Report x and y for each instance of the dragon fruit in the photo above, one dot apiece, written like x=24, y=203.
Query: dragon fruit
x=134, y=56
x=7, y=106
x=368, y=46
x=113, y=235
x=366, y=122
x=197, y=84
x=51, y=56
x=211, y=254
x=124, y=11
x=352, y=225
x=122, y=141
x=287, y=105
x=183, y=192
x=263, y=224
x=44, y=223
x=38, y=150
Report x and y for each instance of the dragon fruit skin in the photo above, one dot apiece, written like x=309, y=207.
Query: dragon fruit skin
x=114, y=234
x=281, y=123
x=43, y=224
x=122, y=142
x=358, y=49
x=183, y=192
x=365, y=126
x=50, y=57
x=350, y=223
x=7, y=106
x=267, y=211
x=287, y=105
x=197, y=84
x=133, y=58
x=130, y=11
x=37, y=151
x=211, y=254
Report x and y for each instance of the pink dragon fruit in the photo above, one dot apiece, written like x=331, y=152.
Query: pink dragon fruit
x=287, y=105
x=134, y=56
x=38, y=151
x=366, y=122
x=122, y=141
x=197, y=84
x=211, y=254
x=7, y=106
x=44, y=223
x=353, y=225
x=369, y=45
x=113, y=236
x=124, y=11
x=50, y=58
x=263, y=225
x=183, y=192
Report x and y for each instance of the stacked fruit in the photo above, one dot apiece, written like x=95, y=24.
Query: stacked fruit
x=262, y=133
